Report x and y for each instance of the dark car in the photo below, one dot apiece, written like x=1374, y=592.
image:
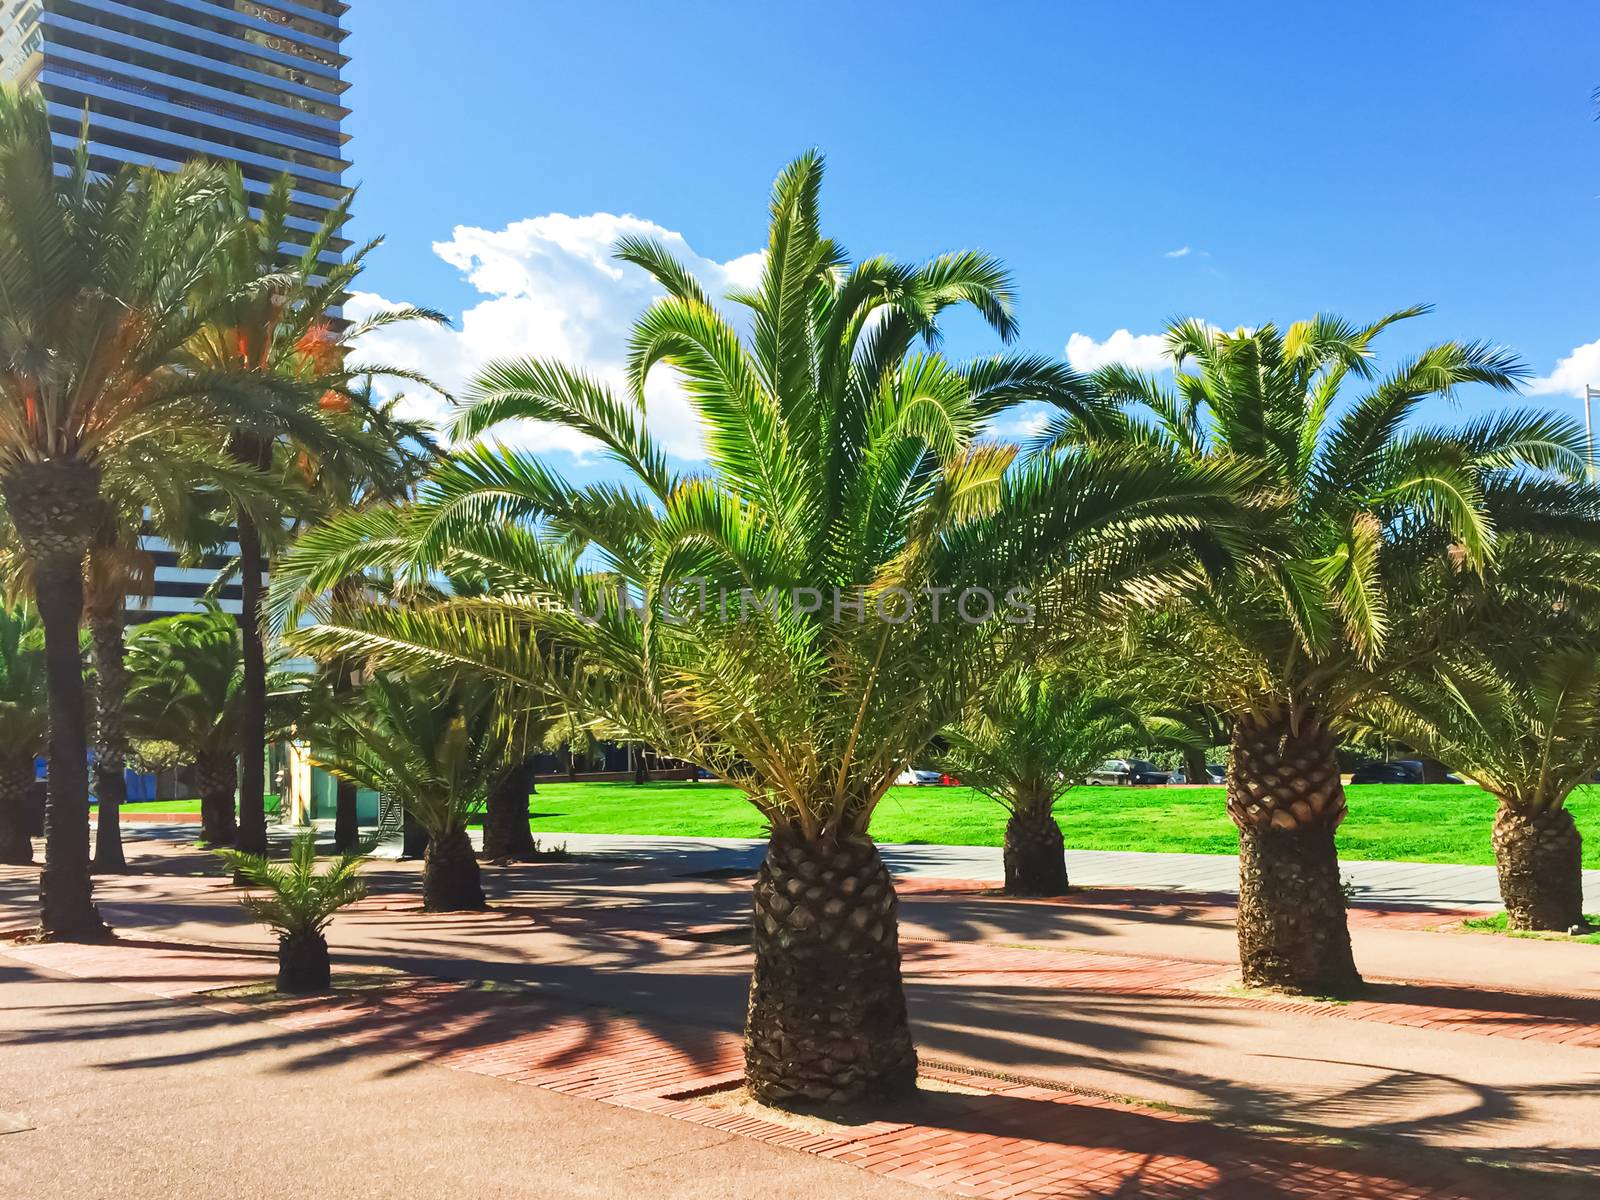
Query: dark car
x=1127, y=772
x=1401, y=770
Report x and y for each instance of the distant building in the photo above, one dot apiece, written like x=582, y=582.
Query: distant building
x=165, y=81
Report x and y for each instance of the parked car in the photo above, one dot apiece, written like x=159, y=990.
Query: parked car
x=1126, y=772
x=919, y=778
x=1215, y=773
x=1401, y=770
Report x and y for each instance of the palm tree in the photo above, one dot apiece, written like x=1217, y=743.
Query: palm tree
x=851, y=568
x=24, y=726
x=1527, y=729
x=1030, y=741
x=436, y=745
x=1517, y=707
x=188, y=689
x=506, y=832
x=1291, y=645
x=280, y=318
x=175, y=485
x=298, y=906
x=96, y=280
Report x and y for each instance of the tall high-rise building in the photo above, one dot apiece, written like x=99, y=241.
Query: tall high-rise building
x=165, y=81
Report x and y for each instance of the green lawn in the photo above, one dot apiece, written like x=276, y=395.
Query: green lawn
x=175, y=806
x=1442, y=823
x=1498, y=922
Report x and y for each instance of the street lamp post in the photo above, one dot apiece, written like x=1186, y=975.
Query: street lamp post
x=1589, y=393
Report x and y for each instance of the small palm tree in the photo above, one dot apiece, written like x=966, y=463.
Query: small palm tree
x=437, y=746
x=805, y=614
x=1030, y=741
x=1528, y=731
x=1517, y=707
x=188, y=689
x=299, y=904
x=24, y=726
x=1297, y=641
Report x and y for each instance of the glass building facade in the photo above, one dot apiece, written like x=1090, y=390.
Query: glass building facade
x=165, y=81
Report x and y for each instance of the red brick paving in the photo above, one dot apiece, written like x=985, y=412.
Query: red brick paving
x=1010, y=1142
x=1570, y=1020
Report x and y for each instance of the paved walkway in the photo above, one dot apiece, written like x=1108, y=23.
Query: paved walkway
x=109, y=1091
x=1465, y=1044
x=1376, y=882
x=972, y=1135
x=1432, y=884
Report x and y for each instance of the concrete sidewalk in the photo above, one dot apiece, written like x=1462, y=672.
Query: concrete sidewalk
x=1439, y=885
x=1376, y=882
x=108, y=1093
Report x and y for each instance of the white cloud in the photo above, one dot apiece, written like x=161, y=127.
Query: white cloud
x=551, y=289
x=1144, y=351
x=1180, y=252
x=1573, y=372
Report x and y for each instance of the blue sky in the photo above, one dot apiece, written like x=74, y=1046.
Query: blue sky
x=1351, y=158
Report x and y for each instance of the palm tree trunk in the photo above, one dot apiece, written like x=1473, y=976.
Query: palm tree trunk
x=827, y=1015
x=346, y=821
x=641, y=769
x=505, y=819
x=450, y=878
x=111, y=739
x=1034, y=852
x=1194, y=765
x=1538, y=855
x=16, y=789
x=1433, y=771
x=1285, y=795
x=66, y=892
x=413, y=837
x=303, y=965
x=253, y=698
x=216, y=776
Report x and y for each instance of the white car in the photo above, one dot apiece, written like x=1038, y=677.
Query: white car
x=916, y=778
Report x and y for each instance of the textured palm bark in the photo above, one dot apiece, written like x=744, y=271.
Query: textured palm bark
x=1285, y=795
x=450, y=878
x=16, y=789
x=346, y=820
x=1433, y=771
x=111, y=750
x=216, y=777
x=413, y=837
x=66, y=891
x=303, y=964
x=253, y=698
x=505, y=820
x=55, y=507
x=826, y=1022
x=1034, y=852
x=1539, y=858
